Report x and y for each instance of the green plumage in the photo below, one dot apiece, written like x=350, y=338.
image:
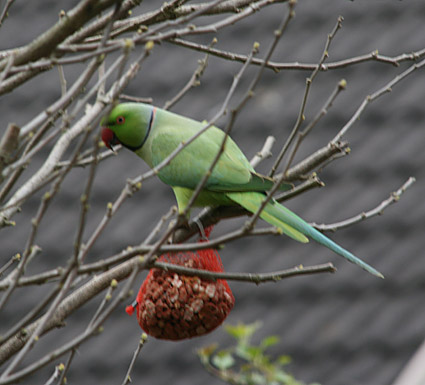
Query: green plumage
x=153, y=134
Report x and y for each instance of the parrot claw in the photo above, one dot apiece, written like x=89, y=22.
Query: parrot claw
x=201, y=229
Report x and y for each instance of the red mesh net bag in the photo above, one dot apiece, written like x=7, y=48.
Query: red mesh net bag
x=171, y=306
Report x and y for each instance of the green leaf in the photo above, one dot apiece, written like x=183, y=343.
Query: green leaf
x=249, y=363
x=242, y=331
x=223, y=360
x=269, y=341
x=248, y=352
x=284, y=378
x=284, y=360
x=258, y=379
x=205, y=353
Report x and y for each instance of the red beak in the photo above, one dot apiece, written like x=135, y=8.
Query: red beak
x=109, y=138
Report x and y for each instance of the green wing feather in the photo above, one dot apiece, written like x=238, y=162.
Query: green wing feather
x=233, y=172
x=252, y=202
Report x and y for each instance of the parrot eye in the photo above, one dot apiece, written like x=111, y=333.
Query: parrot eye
x=120, y=119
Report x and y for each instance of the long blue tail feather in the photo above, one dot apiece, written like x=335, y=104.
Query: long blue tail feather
x=302, y=226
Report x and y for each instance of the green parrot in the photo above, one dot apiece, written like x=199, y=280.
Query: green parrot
x=153, y=134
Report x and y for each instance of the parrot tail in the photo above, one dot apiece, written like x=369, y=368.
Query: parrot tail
x=294, y=226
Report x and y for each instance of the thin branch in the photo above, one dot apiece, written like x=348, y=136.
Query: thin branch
x=8, y=145
x=7, y=69
x=130, y=252
x=296, y=66
x=100, y=22
x=105, y=300
x=9, y=263
x=68, y=278
x=160, y=224
x=48, y=41
x=79, y=297
x=256, y=278
x=78, y=247
x=164, y=14
x=56, y=374
x=92, y=116
x=29, y=316
x=87, y=161
x=5, y=11
x=142, y=341
x=136, y=99
x=154, y=34
x=194, y=80
x=378, y=210
x=370, y=98
x=12, y=82
x=30, y=251
x=302, y=134
x=312, y=182
x=46, y=319
x=264, y=153
x=319, y=157
x=62, y=379
x=65, y=100
x=301, y=116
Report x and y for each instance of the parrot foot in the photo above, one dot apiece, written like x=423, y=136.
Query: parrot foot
x=182, y=222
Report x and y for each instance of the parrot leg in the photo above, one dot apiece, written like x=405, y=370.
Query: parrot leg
x=182, y=222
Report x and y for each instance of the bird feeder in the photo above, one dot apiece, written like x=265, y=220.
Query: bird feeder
x=172, y=306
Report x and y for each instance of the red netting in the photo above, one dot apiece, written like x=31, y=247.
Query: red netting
x=173, y=307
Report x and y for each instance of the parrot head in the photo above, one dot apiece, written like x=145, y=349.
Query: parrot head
x=128, y=124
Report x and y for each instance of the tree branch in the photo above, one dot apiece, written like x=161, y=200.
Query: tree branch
x=378, y=210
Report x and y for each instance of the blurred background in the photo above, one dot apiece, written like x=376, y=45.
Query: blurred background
x=347, y=328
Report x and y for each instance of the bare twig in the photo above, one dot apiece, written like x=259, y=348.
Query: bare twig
x=142, y=341
x=265, y=152
x=136, y=99
x=370, y=98
x=56, y=374
x=9, y=263
x=5, y=11
x=48, y=41
x=160, y=224
x=194, y=80
x=163, y=14
x=78, y=248
x=302, y=134
x=92, y=116
x=8, y=145
x=301, y=116
x=256, y=278
x=312, y=182
x=378, y=210
x=29, y=316
x=296, y=66
x=68, y=278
